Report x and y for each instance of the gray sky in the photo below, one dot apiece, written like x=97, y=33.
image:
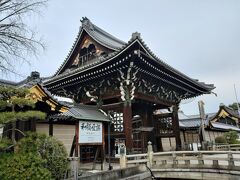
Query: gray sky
x=198, y=37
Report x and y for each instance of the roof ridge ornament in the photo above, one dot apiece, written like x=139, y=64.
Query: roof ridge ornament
x=136, y=35
x=86, y=23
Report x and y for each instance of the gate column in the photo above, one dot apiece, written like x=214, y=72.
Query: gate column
x=176, y=127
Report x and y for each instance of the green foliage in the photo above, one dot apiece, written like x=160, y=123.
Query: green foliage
x=11, y=97
x=22, y=166
x=8, y=92
x=234, y=106
x=3, y=104
x=12, y=105
x=7, y=117
x=231, y=137
x=21, y=102
x=50, y=149
x=5, y=143
x=220, y=140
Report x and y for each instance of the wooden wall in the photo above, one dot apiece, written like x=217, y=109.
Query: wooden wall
x=62, y=132
x=193, y=136
x=169, y=144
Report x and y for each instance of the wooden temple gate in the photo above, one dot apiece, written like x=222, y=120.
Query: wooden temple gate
x=128, y=82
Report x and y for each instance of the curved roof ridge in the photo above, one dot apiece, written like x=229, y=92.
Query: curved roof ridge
x=8, y=82
x=172, y=69
x=97, y=34
x=109, y=35
x=102, y=59
x=101, y=36
x=70, y=51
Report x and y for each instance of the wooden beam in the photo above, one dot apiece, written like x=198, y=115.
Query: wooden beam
x=163, y=115
x=165, y=135
x=112, y=106
x=153, y=99
x=116, y=95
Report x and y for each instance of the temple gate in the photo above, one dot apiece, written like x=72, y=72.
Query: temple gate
x=129, y=83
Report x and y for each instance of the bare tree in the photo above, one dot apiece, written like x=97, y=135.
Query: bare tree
x=17, y=39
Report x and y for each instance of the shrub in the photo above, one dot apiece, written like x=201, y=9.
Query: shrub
x=231, y=137
x=50, y=149
x=5, y=143
x=23, y=166
x=220, y=140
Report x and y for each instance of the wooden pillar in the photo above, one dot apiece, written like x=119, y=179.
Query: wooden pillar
x=77, y=137
x=127, y=125
x=159, y=143
x=33, y=125
x=176, y=128
x=103, y=157
x=150, y=123
x=50, y=127
x=146, y=113
x=185, y=141
x=144, y=116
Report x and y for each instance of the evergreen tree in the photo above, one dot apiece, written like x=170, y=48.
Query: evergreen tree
x=234, y=106
x=17, y=104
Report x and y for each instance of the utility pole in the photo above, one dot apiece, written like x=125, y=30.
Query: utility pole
x=202, y=117
x=236, y=99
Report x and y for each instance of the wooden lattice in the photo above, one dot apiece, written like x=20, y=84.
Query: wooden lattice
x=117, y=120
x=164, y=125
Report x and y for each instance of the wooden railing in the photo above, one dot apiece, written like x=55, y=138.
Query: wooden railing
x=229, y=160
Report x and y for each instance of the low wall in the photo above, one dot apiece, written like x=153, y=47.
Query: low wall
x=207, y=174
x=115, y=174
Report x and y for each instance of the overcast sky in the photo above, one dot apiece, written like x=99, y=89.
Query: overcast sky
x=200, y=38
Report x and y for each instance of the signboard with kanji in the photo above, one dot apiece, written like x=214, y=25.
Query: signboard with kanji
x=90, y=132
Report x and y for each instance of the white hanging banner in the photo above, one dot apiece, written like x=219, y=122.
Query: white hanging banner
x=90, y=132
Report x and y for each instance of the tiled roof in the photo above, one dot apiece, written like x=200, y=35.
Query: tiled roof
x=193, y=121
x=31, y=81
x=98, y=35
x=85, y=112
x=190, y=123
x=26, y=83
x=101, y=36
x=4, y=82
x=119, y=46
x=175, y=71
x=231, y=111
x=217, y=125
x=101, y=60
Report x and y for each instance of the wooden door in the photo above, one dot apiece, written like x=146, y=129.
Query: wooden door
x=137, y=135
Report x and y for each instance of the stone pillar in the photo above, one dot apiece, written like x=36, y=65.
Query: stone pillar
x=123, y=158
x=150, y=155
x=230, y=161
x=75, y=167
